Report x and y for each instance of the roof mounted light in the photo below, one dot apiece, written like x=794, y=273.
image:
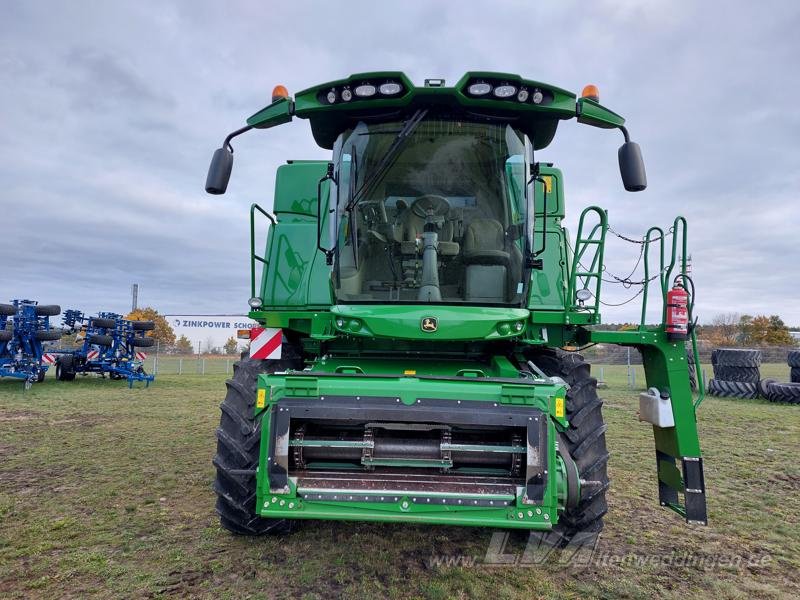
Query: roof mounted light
x=331, y=96
x=504, y=91
x=390, y=89
x=479, y=89
x=347, y=95
x=279, y=92
x=522, y=95
x=537, y=97
x=591, y=92
x=365, y=90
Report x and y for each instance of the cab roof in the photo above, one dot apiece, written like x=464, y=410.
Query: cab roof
x=534, y=107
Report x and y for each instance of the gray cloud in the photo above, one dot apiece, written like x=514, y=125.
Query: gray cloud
x=110, y=113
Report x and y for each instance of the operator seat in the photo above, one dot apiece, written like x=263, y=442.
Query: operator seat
x=414, y=225
x=486, y=261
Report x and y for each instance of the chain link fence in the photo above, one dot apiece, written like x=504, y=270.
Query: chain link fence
x=192, y=364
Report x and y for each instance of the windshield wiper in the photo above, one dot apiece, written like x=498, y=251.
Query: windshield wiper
x=388, y=158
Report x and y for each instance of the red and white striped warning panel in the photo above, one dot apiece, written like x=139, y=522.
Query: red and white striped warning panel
x=48, y=359
x=92, y=355
x=141, y=355
x=265, y=343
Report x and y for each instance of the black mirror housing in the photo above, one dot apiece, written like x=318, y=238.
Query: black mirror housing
x=631, y=167
x=219, y=171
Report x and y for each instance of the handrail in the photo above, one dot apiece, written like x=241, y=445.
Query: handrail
x=253, y=256
x=679, y=228
x=595, y=270
x=646, y=283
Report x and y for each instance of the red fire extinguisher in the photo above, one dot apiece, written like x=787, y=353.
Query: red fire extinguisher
x=677, y=326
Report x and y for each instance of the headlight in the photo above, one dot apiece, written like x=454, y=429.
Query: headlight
x=583, y=295
x=365, y=90
x=518, y=326
x=479, y=89
x=347, y=95
x=255, y=302
x=505, y=91
x=390, y=89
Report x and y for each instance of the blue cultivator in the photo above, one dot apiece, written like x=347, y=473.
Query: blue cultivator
x=24, y=327
x=109, y=346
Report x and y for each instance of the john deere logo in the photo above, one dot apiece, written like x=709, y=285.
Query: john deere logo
x=430, y=324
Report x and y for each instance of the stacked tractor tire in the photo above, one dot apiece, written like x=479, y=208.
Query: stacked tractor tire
x=736, y=372
x=788, y=393
x=737, y=375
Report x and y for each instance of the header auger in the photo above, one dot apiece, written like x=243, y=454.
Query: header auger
x=421, y=376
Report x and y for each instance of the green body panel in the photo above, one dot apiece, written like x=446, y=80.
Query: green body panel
x=296, y=274
x=382, y=351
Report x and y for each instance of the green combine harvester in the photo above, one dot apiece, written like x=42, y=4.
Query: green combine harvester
x=417, y=296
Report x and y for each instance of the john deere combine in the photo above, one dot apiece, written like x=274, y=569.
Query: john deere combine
x=423, y=286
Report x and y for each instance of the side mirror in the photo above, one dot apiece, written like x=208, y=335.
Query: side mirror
x=631, y=167
x=327, y=251
x=219, y=171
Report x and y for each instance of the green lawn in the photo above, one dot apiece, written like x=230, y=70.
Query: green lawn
x=105, y=492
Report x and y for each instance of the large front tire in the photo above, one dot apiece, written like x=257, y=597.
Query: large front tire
x=585, y=441
x=238, y=443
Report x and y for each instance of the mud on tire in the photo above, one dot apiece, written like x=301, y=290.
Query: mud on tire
x=238, y=442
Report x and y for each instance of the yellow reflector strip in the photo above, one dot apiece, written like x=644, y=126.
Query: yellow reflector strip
x=548, y=183
x=409, y=372
x=559, y=408
x=261, y=398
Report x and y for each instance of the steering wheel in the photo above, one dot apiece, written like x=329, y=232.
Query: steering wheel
x=438, y=205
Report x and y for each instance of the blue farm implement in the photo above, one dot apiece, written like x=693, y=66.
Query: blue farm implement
x=24, y=328
x=109, y=345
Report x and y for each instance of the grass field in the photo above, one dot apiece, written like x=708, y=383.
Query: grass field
x=106, y=492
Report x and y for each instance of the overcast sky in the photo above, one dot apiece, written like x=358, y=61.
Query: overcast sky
x=109, y=113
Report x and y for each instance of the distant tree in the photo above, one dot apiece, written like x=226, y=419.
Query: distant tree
x=724, y=329
x=163, y=331
x=762, y=330
x=231, y=346
x=183, y=345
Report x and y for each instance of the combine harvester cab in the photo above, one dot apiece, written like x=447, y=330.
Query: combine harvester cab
x=24, y=329
x=109, y=345
x=409, y=366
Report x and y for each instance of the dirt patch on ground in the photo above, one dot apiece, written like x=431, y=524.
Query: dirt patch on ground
x=25, y=481
x=81, y=420
x=19, y=415
x=785, y=481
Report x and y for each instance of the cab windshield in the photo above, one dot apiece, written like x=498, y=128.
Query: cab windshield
x=434, y=215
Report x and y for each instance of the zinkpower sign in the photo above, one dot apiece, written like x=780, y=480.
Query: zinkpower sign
x=209, y=330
